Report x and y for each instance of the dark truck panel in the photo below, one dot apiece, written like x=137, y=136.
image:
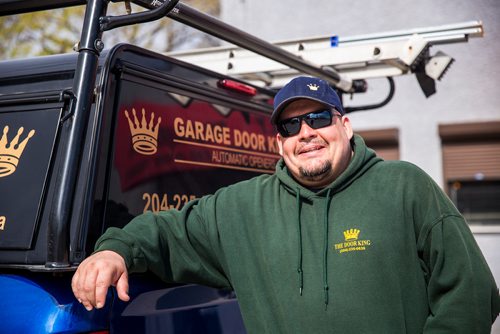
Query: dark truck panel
x=160, y=133
x=24, y=164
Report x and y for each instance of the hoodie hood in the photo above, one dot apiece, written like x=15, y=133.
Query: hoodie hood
x=362, y=160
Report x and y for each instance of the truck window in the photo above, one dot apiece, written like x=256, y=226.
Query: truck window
x=170, y=148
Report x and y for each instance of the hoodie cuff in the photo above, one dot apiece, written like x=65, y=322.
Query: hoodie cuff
x=117, y=246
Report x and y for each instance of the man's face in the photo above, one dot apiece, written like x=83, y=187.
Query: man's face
x=315, y=158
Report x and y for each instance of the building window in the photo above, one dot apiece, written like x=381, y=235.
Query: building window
x=385, y=142
x=478, y=201
x=471, y=166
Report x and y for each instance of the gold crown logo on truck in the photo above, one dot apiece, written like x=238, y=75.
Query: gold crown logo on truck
x=144, y=135
x=10, y=153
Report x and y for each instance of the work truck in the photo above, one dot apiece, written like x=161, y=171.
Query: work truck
x=91, y=139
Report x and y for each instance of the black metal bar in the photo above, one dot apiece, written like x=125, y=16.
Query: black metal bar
x=392, y=89
x=28, y=98
x=217, y=28
x=111, y=22
x=72, y=136
x=12, y=7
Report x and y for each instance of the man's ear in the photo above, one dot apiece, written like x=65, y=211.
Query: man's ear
x=279, y=140
x=346, y=124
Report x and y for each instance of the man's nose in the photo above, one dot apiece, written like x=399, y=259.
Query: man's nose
x=306, y=131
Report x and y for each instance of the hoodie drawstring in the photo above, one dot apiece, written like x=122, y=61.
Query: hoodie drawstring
x=325, y=248
x=325, y=245
x=299, y=230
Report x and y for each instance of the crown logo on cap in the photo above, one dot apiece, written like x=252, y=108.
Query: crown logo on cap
x=144, y=135
x=351, y=234
x=11, y=153
x=313, y=86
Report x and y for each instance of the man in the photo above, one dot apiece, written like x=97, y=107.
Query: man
x=336, y=241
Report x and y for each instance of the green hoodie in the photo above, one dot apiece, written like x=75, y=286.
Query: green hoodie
x=381, y=250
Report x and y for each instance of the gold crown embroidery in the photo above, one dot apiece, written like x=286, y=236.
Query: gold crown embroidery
x=144, y=136
x=313, y=86
x=11, y=153
x=351, y=234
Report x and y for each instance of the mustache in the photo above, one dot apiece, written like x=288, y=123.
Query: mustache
x=314, y=141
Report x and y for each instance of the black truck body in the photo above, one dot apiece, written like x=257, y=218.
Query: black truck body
x=159, y=133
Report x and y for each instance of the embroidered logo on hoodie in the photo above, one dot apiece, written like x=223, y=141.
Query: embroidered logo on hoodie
x=352, y=243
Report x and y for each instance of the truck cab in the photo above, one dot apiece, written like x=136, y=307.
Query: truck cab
x=160, y=132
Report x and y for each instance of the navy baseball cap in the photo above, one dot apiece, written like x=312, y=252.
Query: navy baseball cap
x=305, y=88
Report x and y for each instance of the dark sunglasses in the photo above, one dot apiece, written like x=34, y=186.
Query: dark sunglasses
x=315, y=120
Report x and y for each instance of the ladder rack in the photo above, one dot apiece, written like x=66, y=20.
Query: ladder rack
x=359, y=57
x=344, y=62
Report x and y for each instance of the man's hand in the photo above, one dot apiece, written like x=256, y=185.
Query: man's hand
x=96, y=274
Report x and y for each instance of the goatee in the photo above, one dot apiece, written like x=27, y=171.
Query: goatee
x=314, y=173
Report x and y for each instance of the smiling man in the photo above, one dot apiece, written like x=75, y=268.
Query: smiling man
x=316, y=154
x=335, y=241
